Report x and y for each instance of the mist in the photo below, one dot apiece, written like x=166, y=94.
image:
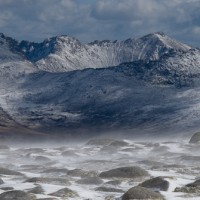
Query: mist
x=45, y=168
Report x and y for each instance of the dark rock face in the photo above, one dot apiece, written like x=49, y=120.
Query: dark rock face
x=38, y=49
x=157, y=183
x=65, y=193
x=124, y=172
x=17, y=195
x=195, y=138
x=141, y=193
x=90, y=181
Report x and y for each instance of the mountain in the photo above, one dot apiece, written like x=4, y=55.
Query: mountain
x=150, y=84
x=129, y=95
x=13, y=67
x=12, y=61
x=59, y=54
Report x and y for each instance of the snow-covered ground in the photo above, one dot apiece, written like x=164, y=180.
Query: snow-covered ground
x=174, y=161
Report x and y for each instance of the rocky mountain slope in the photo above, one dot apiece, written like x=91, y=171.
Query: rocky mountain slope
x=67, y=53
x=151, y=84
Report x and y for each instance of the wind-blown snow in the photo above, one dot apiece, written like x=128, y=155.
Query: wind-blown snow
x=168, y=164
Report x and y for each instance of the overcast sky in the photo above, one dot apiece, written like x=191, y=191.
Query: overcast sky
x=100, y=19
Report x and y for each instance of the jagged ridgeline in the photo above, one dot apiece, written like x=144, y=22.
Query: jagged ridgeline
x=149, y=83
x=65, y=53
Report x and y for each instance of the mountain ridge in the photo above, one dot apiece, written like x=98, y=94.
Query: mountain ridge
x=68, y=53
x=151, y=83
x=64, y=53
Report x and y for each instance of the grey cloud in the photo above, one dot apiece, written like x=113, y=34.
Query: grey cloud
x=100, y=19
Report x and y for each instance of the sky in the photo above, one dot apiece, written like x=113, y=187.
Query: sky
x=90, y=20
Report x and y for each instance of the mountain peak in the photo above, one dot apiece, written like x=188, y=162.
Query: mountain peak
x=101, y=42
x=7, y=38
x=60, y=39
x=157, y=36
x=163, y=40
x=66, y=53
x=66, y=39
x=160, y=33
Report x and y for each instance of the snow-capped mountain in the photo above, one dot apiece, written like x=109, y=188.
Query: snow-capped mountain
x=59, y=54
x=12, y=60
x=174, y=68
x=149, y=83
x=8, y=49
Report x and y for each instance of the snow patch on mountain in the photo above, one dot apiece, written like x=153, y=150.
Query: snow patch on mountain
x=8, y=49
x=135, y=83
x=12, y=61
x=64, y=53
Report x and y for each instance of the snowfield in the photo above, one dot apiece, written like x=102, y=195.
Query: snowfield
x=78, y=167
